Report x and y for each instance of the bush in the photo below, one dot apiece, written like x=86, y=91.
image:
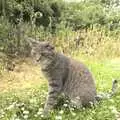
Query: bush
x=28, y=10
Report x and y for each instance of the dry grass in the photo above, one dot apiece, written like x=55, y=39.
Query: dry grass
x=96, y=43
x=25, y=75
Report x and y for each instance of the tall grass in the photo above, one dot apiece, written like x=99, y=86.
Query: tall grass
x=95, y=42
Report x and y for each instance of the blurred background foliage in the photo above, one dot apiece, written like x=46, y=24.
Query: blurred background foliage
x=56, y=20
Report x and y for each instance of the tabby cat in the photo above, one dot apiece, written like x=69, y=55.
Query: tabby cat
x=65, y=76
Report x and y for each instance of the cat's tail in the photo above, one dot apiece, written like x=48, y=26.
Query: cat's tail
x=102, y=96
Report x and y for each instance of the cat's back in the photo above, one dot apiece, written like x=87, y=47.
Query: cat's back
x=80, y=82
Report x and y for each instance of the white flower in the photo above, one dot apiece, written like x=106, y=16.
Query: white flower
x=42, y=115
x=18, y=105
x=22, y=104
x=26, y=112
x=36, y=115
x=42, y=103
x=58, y=118
x=61, y=112
x=65, y=105
x=25, y=116
x=40, y=109
x=22, y=108
x=1, y=116
x=83, y=108
x=39, y=113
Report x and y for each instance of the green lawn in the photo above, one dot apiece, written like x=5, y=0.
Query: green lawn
x=26, y=103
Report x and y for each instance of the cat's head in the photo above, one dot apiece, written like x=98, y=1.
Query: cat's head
x=41, y=50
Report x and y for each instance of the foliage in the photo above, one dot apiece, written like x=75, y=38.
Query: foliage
x=92, y=13
x=88, y=30
x=57, y=21
x=39, y=10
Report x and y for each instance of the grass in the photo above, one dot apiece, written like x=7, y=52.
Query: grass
x=23, y=93
x=24, y=90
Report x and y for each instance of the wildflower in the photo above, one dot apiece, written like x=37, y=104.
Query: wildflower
x=61, y=112
x=1, y=116
x=93, y=112
x=25, y=116
x=42, y=115
x=22, y=104
x=42, y=103
x=39, y=112
x=22, y=108
x=65, y=105
x=58, y=118
x=40, y=109
x=35, y=115
x=83, y=108
x=18, y=105
x=26, y=112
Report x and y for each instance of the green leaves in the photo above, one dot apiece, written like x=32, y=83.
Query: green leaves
x=25, y=10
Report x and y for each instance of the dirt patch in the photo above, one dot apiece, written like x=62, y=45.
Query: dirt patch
x=24, y=75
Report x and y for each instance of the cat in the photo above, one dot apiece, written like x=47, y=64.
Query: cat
x=65, y=76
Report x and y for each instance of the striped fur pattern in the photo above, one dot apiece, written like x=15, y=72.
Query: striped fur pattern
x=65, y=76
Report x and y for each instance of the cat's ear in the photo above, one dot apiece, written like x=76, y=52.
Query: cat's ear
x=32, y=42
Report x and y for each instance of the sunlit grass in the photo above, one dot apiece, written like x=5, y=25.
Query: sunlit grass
x=24, y=98
x=24, y=90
